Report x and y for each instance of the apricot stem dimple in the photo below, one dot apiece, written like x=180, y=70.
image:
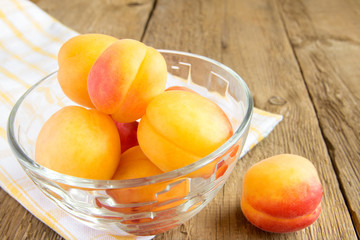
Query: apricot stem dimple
x=129, y=86
x=130, y=74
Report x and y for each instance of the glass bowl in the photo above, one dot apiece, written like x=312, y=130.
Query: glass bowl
x=166, y=200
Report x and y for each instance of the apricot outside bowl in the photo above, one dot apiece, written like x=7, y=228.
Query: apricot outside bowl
x=89, y=200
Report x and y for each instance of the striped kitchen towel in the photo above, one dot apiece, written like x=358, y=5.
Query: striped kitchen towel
x=29, y=42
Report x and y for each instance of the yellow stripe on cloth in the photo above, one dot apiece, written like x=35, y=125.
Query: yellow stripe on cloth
x=2, y=132
x=258, y=132
x=12, y=76
x=267, y=114
x=261, y=125
x=19, y=193
x=21, y=36
x=20, y=59
x=34, y=23
x=6, y=99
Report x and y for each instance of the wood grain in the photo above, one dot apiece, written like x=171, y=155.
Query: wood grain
x=122, y=19
x=328, y=51
x=18, y=223
x=249, y=36
x=299, y=58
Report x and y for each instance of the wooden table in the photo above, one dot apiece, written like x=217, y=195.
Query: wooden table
x=300, y=59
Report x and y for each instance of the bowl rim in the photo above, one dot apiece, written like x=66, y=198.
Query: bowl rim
x=27, y=162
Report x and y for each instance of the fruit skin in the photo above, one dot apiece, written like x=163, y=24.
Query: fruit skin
x=179, y=88
x=134, y=164
x=181, y=127
x=282, y=194
x=128, y=134
x=79, y=142
x=75, y=59
x=125, y=78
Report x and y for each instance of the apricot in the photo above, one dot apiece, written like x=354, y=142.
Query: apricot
x=218, y=166
x=125, y=78
x=79, y=142
x=128, y=134
x=282, y=194
x=179, y=88
x=181, y=127
x=134, y=164
x=75, y=58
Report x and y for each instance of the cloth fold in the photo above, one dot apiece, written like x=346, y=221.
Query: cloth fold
x=29, y=42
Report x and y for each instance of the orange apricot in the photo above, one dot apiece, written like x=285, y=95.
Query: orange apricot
x=79, y=142
x=128, y=134
x=134, y=164
x=181, y=88
x=181, y=127
x=155, y=197
x=125, y=78
x=75, y=58
x=282, y=194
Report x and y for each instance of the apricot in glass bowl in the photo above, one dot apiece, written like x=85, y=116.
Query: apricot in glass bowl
x=148, y=205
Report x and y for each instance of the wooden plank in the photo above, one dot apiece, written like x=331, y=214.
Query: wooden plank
x=249, y=36
x=18, y=223
x=328, y=50
x=122, y=19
